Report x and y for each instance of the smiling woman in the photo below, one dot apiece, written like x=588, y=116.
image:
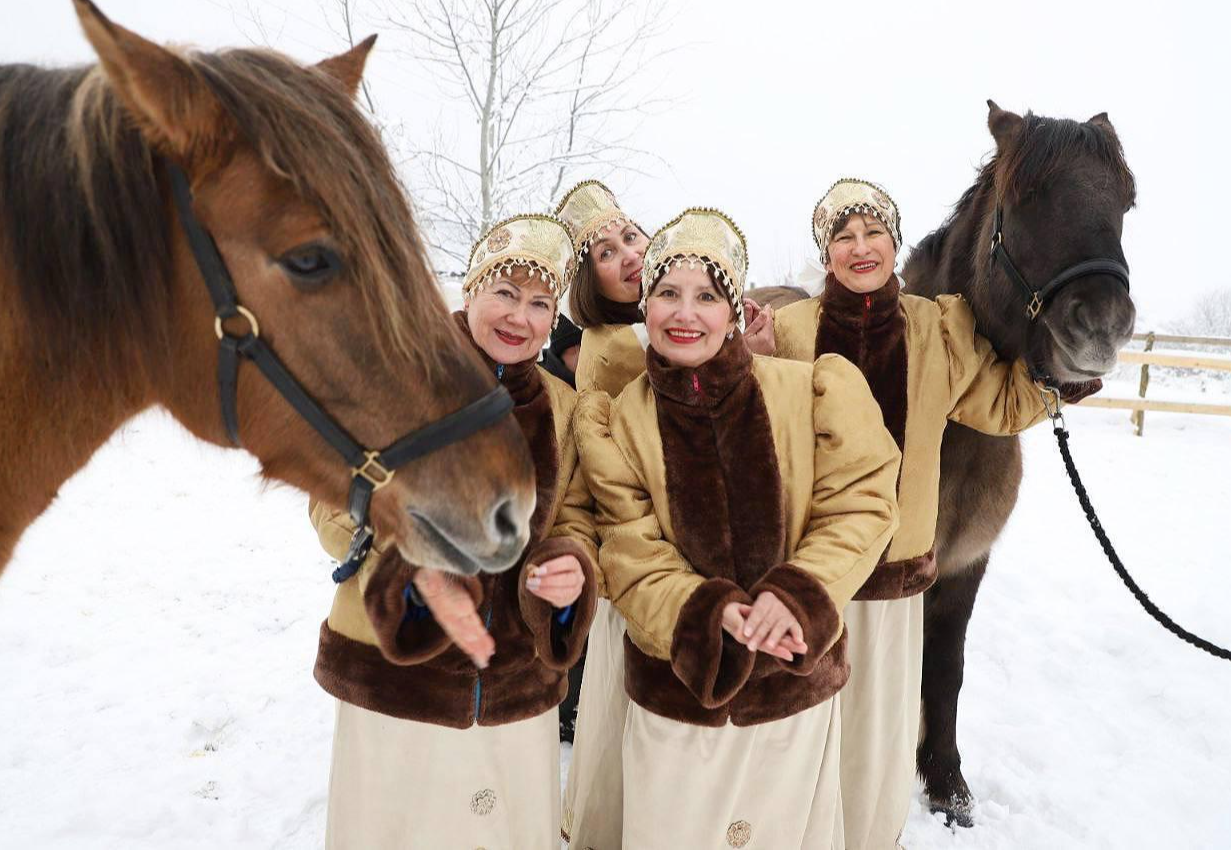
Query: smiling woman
x=731, y=558
x=405, y=688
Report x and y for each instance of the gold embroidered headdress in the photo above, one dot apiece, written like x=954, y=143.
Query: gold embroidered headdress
x=851, y=195
x=540, y=243
x=589, y=209
x=704, y=236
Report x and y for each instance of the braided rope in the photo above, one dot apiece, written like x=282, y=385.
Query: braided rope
x=1062, y=438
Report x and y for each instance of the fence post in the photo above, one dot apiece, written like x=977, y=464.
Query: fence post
x=1139, y=416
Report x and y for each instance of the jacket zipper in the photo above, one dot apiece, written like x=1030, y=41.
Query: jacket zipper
x=863, y=336
x=478, y=679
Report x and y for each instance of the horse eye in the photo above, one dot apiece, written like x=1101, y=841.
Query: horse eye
x=314, y=265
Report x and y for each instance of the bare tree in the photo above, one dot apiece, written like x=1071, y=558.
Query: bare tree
x=551, y=90
x=1210, y=315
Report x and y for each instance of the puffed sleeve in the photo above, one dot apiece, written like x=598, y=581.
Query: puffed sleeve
x=853, y=514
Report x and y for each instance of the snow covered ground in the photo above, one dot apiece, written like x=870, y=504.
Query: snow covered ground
x=158, y=628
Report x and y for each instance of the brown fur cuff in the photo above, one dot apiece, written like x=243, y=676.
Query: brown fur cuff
x=809, y=603
x=710, y=663
x=899, y=579
x=404, y=640
x=558, y=646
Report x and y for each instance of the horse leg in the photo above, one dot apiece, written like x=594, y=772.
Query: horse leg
x=947, y=607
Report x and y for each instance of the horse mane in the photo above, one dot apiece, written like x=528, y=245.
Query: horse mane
x=80, y=213
x=1040, y=147
x=84, y=222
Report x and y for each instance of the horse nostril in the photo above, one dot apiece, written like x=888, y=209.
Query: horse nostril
x=504, y=522
x=1079, y=318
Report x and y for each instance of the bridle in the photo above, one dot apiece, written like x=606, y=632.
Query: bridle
x=370, y=470
x=1036, y=299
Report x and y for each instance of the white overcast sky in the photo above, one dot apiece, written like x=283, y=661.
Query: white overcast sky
x=777, y=99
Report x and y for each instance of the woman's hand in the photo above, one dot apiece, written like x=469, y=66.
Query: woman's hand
x=759, y=328
x=767, y=625
x=454, y=610
x=559, y=581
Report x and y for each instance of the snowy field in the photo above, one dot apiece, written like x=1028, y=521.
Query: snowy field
x=158, y=628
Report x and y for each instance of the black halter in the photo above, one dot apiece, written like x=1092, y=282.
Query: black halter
x=370, y=470
x=1036, y=299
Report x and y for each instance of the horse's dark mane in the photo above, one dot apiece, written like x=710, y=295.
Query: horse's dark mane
x=83, y=221
x=1040, y=147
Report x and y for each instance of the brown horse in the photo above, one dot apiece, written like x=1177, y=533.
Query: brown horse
x=105, y=312
x=1064, y=188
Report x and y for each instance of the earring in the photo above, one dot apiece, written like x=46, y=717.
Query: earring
x=731, y=334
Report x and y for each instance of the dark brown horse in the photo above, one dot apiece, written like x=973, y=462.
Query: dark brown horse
x=1064, y=188
x=104, y=313
x=776, y=296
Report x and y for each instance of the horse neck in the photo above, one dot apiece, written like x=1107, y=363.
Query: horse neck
x=952, y=260
x=53, y=417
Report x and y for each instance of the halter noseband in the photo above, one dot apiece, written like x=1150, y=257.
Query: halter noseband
x=1036, y=299
x=370, y=470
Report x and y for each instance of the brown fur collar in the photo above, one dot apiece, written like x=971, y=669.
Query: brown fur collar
x=869, y=330
x=723, y=486
x=533, y=413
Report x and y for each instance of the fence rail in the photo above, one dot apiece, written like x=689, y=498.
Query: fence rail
x=1175, y=360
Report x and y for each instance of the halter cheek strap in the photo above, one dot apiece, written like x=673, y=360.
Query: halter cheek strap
x=370, y=470
x=1036, y=299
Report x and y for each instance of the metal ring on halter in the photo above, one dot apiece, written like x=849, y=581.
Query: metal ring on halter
x=373, y=471
x=254, y=327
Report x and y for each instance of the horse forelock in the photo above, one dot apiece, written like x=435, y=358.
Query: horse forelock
x=308, y=131
x=1044, y=146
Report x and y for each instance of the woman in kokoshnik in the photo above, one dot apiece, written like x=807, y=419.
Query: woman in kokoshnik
x=926, y=366
x=430, y=751
x=604, y=302
x=735, y=524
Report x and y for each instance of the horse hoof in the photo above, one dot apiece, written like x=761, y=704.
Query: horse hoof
x=957, y=811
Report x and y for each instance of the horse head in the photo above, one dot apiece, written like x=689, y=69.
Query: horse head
x=307, y=213
x=1054, y=198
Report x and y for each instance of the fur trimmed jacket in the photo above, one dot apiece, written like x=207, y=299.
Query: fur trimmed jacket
x=610, y=357
x=926, y=367
x=717, y=483
x=381, y=651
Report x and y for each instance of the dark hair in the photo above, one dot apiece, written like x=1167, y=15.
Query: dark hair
x=586, y=304
x=583, y=304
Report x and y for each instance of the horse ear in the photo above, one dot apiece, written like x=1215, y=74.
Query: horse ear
x=1103, y=123
x=174, y=108
x=347, y=68
x=1003, y=124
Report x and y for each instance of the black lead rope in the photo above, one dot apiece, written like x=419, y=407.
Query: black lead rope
x=1050, y=397
x=370, y=470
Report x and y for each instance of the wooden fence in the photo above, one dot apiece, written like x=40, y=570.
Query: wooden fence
x=1177, y=360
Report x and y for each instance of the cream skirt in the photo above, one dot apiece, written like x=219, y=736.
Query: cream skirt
x=880, y=719
x=402, y=784
x=771, y=786
x=593, y=800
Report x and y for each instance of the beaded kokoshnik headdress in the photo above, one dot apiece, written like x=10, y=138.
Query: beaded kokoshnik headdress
x=852, y=195
x=589, y=210
x=700, y=236
x=540, y=243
